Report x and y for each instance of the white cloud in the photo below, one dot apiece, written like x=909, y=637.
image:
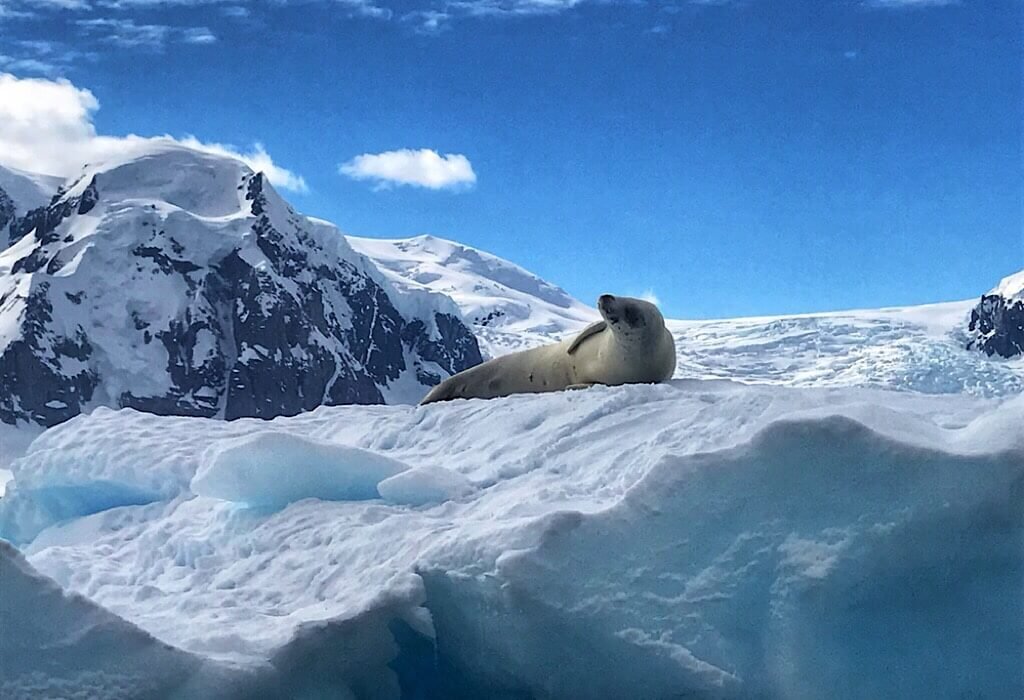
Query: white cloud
x=258, y=159
x=46, y=126
x=422, y=168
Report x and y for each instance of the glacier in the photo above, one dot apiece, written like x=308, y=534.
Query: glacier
x=702, y=538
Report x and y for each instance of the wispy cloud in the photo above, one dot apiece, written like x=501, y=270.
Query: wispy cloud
x=907, y=4
x=416, y=168
x=508, y=8
x=127, y=34
x=47, y=126
x=427, y=21
x=365, y=8
x=39, y=57
x=27, y=65
x=198, y=35
x=649, y=295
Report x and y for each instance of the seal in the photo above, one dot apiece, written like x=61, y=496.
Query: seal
x=629, y=345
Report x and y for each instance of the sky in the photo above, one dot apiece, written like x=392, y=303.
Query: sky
x=728, y=158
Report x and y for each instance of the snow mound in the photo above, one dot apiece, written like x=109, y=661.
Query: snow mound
x=711, y=538
x=58, y=645
x=1011, y=287
x=272, y=469
x=424, y=486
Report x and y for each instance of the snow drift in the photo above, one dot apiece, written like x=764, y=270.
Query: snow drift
x=700, y=538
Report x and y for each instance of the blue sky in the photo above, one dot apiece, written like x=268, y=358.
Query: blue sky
x=737, y=158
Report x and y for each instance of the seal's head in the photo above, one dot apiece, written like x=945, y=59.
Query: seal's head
x=628, y=317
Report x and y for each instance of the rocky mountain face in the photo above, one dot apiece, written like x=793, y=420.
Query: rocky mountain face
x=996, y=325
x=179, y=282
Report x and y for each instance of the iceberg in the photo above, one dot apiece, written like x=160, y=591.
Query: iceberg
x=700, y=538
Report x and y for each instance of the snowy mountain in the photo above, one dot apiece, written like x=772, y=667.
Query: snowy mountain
x=509, y=308
x=997, y=322
x=179, y=282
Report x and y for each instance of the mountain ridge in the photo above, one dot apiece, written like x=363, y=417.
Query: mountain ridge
x=248, y=308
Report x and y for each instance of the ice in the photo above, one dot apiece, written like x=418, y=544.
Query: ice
x=272, y=469
x=54, y=644
x=702, y=537
x=424, y=486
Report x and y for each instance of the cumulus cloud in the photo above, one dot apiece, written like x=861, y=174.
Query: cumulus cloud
x=46, y=126
x=418, y=168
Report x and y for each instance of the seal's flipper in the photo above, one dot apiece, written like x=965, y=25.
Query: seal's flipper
x=593, y=329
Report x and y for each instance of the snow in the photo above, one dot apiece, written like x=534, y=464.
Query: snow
x=1011, y=287
x=272, y=469
x=14, y=441
x=714, y=538
x=509, y=308
x=917, y=348
x=424, y=486
x=911, y=349
x=91, y=652
x=28, y=190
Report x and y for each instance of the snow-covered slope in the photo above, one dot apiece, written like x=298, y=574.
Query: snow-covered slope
x=20, y=192
x=509, y=308
x=179, y=282
x=701, y=538
x=90, y=652
x=997, y=321
x=919, y=348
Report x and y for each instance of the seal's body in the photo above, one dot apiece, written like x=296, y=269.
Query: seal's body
x=630, y=345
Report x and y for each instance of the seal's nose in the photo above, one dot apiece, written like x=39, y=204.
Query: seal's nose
x=605, y=299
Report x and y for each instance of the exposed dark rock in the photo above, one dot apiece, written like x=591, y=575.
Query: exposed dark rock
x=7, y=209
x=45, y=220
x=35, y=384
x=997, y=326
